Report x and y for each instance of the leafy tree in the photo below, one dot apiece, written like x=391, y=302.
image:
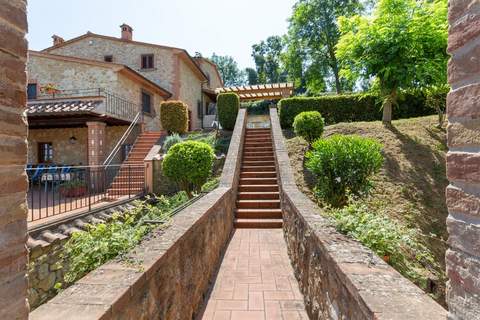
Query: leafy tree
x=268, y=59
x=252, y=76
x=402, y=45
x=228, y=68
x=313, y=35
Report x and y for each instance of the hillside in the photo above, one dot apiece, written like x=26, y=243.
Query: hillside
x=410, y=187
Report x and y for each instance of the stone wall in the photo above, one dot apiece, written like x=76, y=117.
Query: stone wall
x=169, y=273
x=13, y=182
x=339, y=278
x=463, y=161
x=191, y=93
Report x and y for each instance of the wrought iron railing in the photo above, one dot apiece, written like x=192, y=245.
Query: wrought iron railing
x=56, y=190
x=114, y=105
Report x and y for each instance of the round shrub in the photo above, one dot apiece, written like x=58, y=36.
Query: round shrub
x=170, y=141
x=309, y=125
x=228, y=105
x=189, y=164
x=174, y=116
x=343, y=165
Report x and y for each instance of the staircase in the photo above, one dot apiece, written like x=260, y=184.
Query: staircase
x=258, y=200
x=130, y=179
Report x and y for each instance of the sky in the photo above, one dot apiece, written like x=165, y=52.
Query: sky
x=226, y=27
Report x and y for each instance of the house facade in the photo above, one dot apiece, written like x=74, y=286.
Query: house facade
x=78, y=109
x=189, y=79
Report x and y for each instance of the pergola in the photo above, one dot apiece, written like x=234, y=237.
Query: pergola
x=272, y=91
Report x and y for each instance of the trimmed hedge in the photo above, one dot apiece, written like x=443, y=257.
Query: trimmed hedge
x=309, y=125
x=227, y=106
x=174, y=116
x=353, y=107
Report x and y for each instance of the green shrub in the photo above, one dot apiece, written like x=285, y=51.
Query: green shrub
x=170, y=141
x=309, y=125
x=354, y=107
x=343, y=165
x=228, y=105
x=189, y=164
x=174, y=116
x=257, y=107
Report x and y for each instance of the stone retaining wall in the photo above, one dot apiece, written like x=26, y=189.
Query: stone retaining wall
x=168, y=274
x=339, y=278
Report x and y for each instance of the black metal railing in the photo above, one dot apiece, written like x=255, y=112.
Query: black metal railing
x=114, y=105
x=55, y=190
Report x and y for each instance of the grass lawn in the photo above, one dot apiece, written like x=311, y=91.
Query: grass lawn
x=409, y=189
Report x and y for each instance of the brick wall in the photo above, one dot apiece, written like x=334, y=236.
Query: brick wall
x=463, y=161
x=13, y=148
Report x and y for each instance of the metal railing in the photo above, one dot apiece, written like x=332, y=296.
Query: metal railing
x=114, y=105
x=55, y=190
x=130, y=134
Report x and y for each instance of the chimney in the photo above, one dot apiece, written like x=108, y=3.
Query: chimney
x=127, y=32
x=57, y=40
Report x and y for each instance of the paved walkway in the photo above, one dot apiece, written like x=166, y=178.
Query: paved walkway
x=255, y=280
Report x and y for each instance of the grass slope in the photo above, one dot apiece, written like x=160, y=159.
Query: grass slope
x=410, y=187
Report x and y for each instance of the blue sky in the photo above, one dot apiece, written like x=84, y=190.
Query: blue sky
x=226, y=27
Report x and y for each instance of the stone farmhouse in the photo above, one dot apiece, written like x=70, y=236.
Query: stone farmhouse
x=192, y=80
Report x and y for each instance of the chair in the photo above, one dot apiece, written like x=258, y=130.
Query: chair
x=38, y=172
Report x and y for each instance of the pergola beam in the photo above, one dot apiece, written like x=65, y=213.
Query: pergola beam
x=260, y=91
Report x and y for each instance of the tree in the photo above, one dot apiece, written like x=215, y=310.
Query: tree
x=268, y=59
x=252, y=76
x=402, y=45
x=228, y=68
x=313, y=35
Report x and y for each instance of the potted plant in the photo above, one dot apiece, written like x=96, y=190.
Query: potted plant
x=74, y=188
x=49, y=88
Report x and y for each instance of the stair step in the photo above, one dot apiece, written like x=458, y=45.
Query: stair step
x=258, y=168
x=260, y=174
x=249, y=144
x=258, y=204
x=248, y=159
x=258, y=188
x=259, y=140
x=258, y=181
x=259, y=195
x=255, y=163
x=257, y=149
x=258, y=223
x=258, y=213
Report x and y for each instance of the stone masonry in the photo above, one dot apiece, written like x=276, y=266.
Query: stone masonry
x=463, y=161
x=13, y=148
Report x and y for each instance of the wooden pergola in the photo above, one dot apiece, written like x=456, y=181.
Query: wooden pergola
x=274, y=91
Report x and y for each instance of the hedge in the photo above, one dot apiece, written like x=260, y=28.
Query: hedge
x=174, y=116
x=353, y=107
x=227, y=106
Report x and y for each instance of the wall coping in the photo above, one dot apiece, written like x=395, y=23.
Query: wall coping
x=106, y=290
x=379, y=290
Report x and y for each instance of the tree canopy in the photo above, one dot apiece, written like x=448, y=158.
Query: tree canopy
x=228, y=68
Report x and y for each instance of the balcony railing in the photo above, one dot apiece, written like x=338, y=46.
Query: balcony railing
x=57, y=190
x=114, y=105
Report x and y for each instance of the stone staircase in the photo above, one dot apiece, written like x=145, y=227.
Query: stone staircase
x=130, y=178
x=258, y=201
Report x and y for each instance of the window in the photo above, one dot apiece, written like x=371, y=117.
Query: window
x=108, y=58
x=32, y=91
x=146, y=102
x=45, y=152
x=147, y=61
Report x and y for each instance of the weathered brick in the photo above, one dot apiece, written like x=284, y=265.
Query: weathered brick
x=464, y=30
x=13, y=41
x=14, y=13
x=13, y=123
x=13, y=207
x=14, y=151
x=463, y=270
x=458, y=8
x=462, y=305
x=464, y=66
x=464, y=102
x=463, y=166
x=464, y=134
x=13, y=233
x=463, y=233
x=462, y=202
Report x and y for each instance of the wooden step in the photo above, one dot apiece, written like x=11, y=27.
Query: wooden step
x=257, y=144
x=258, y=213
x=260, y=174
x=259, y=195
x=248, y=159
x=258, y=168
x=258, y=223
x=258, y=204
x=258, y=188
x=259, y=163
x=258, y=181
x=258, y=140
x=258, y=149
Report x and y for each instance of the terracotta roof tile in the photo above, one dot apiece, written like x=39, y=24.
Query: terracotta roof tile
x=42, y=108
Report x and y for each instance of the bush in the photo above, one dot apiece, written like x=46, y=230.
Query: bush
x=343, y=166
x=174, y=116
x=170, y=141
x=228, y=105
x=309, y=125
x=189, y=164
x=354, y=107
x=257, y=107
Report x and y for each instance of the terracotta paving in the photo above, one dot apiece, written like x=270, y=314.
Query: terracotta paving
x=255, y=280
